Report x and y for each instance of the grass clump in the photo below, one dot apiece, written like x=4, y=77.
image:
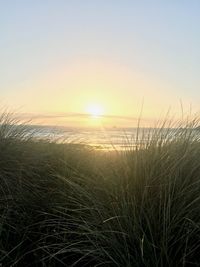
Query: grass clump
x=70, y=205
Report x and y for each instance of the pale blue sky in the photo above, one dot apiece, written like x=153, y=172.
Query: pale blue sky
x=157, y=39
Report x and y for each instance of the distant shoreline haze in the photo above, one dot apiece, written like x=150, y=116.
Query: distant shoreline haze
x=85, y=120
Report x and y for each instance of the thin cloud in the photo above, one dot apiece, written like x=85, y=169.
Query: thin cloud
x=42, y=116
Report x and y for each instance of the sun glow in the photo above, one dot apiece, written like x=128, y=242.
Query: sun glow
x=95, y=110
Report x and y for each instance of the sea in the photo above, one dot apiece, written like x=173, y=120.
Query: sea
x=102, y=138
x=99, y=138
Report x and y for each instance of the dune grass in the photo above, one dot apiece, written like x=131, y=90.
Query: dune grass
x=70, y=205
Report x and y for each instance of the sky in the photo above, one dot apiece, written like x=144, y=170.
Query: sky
x=63, y=59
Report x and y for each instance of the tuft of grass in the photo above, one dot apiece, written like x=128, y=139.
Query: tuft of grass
x=71, y=205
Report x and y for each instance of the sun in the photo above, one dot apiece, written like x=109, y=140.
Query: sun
x=95, y=110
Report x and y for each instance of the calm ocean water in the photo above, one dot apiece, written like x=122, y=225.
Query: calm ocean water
x=100, y=138
x=114, y=138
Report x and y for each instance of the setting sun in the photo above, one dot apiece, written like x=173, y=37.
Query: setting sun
x=95, y=110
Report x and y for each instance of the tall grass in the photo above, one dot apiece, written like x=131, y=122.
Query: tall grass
x=70, y=205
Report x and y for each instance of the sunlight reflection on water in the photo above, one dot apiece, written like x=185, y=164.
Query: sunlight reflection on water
x=110, y=139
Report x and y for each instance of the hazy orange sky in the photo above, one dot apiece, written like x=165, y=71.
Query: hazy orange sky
x=61, y=60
